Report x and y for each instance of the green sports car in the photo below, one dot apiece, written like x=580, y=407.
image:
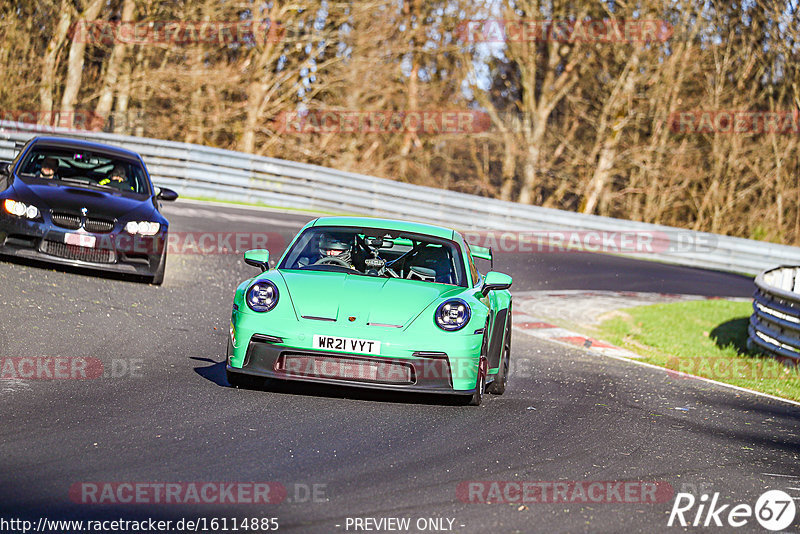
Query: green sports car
x=374, y=303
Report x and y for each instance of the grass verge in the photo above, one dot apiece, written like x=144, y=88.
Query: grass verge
x=706, y=338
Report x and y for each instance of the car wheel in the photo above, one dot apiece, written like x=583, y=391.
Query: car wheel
x=498, y=386
x=480, y=387
x=158, y=277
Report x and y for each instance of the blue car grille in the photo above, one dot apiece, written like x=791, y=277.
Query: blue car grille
x=66, y=220
x=98, y=226
x=71, y=221
x=74, y=252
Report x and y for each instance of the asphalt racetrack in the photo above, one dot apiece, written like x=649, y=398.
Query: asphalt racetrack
x=343, y=460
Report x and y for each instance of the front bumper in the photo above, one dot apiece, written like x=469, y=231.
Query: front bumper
x=430, y=372
x=115, y=251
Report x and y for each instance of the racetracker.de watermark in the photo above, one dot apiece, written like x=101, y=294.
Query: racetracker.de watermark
x=564, y=491
x=178, y=32
x=202, y=243
x=564, y=31
x=718, y=368
x=197, y=492
x=48, y=121
x=427, y=122
x=735, y=122
x=620, y=242
x=68, y=368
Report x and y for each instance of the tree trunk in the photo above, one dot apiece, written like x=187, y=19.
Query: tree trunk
x=75, y=61
x=118, y=53
x=50, y=62
x=122, y=121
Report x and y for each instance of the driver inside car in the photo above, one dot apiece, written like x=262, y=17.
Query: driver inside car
x=118, y=178
x=333, y=249
x=49, y=168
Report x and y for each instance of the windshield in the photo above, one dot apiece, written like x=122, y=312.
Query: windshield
x=84, y=168
x=377, y=252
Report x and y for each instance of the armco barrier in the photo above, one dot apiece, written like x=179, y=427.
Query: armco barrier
x=775, y=323
x=200, y=171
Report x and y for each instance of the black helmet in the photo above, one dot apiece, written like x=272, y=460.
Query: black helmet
x=333, y=244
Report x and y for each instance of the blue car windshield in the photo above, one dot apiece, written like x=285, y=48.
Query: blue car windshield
x=377, y=252
x=82, y=168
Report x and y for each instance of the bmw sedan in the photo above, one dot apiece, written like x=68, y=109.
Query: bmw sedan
x=83, y=204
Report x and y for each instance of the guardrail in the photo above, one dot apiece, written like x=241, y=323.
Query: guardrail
x=199, y=171
x=775, y=324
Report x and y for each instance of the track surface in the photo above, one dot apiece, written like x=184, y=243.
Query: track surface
x=574, y=416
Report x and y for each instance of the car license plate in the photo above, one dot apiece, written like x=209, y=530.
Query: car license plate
x=81, y=240
x=346, y=344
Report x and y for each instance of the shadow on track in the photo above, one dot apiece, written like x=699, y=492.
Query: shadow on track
x=71, y=269
x=216, y=373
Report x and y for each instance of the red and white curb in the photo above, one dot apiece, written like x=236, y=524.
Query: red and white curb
x=523, y=322
x=542, y=329
x=581, y=307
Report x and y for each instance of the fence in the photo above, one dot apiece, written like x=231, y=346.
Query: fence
x=200, y=171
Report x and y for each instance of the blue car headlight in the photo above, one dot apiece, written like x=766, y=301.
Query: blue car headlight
x=452, y=314
x=20, y=209
x=262, y=296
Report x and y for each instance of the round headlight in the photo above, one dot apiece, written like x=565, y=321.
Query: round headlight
x=142, y=228
x=14, y=208
x=262, y=296
x=149, y=228
x=452, y=314
x=31, y=212
x=20, y=209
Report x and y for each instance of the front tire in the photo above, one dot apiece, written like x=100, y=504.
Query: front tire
x=480, y=387
x=498, y=386
x=158, y=277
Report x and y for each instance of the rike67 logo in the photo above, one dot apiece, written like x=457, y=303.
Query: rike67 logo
x=774, y=510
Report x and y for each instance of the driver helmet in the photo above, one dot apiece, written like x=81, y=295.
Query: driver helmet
x=331, y=244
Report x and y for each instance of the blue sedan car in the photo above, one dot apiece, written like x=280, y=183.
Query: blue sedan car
x=83, y=204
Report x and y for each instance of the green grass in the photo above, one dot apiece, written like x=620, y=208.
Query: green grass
x=705, y=338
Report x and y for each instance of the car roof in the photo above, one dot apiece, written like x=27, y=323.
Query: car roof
x=69, y=142
x=387, y=224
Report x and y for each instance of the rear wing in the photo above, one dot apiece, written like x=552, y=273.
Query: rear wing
x=483, y=253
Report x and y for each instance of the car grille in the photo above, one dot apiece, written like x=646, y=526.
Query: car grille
x=98, y=226
x=66, y=220
x=345, y=368
x=74, y=252
x=91, y=224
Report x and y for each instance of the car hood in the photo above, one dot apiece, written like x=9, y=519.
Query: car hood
x=385, y=301
x=73, y=198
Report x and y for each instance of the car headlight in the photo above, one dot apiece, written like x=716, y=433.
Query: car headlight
x=142, y=228
x=262, y=296
x=20, y=209
x=452, y=314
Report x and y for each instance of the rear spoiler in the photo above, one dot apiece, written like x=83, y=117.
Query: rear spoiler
x=483, y=253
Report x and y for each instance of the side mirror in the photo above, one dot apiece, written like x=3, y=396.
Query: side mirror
x=257, y=257
x=494, y=281
x=5, y=168
x=166, y=194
